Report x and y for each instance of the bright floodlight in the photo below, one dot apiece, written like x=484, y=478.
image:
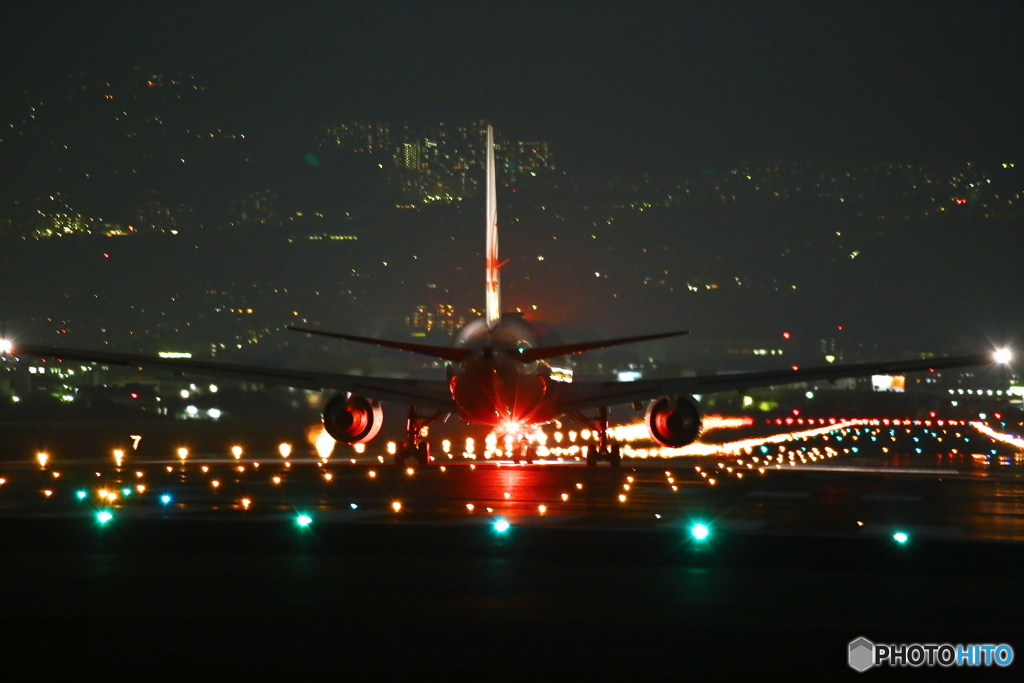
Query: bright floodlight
x=6, y=346
x=1003, y=356
x=700, y=531
x=900, y=537
x=104, y=517
x=501, y=525
x=304, y=520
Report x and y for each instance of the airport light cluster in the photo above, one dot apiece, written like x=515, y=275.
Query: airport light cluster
x=148, y=484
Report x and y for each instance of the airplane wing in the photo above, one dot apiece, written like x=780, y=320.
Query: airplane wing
x=581, y=395
x=430, y=394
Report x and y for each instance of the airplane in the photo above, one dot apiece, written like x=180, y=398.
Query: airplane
x=499, y=373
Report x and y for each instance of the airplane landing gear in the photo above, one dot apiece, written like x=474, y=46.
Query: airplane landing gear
x=524, y=452
x=412, y=447
x=606, y=449
x=614, y=455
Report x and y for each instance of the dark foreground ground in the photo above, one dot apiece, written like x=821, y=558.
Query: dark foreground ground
x=205, y=599
x=212, y=598
x=801, y=561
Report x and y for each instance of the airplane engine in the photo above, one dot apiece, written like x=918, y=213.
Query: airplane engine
x=352, y=419
x=673, y=421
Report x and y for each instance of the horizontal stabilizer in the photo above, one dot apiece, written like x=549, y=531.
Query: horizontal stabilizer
x=443, y=352
x=543, y=352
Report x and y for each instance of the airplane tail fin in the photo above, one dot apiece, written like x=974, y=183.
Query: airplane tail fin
x=493, y=294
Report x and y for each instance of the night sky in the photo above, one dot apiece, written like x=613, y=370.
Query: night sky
x=620, y=90
x=644, y=84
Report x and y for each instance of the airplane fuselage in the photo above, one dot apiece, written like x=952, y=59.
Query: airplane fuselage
x=493, y=386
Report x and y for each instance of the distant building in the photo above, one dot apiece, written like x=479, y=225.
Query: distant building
x=361, y=137
x=440, y=162
x=165, y=217
x=64, y=224
x=255, y=208
x=426, y=319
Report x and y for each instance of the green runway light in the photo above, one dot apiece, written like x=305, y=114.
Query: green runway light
x=103, y=517
x=700, y=531
x=900, y=537
x=165, y=499
x=304, y=520
x=81, y=495
x=501, y=525
x=126, y=492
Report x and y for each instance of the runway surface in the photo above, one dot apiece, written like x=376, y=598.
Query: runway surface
x=404, y=571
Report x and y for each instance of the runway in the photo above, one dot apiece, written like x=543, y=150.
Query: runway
x=855, y=479
x=599, y=573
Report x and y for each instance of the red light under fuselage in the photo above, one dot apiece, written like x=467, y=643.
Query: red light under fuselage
x=492, y=386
